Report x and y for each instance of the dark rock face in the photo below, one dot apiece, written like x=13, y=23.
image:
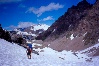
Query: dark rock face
x=67, y=22
x=90, y=25
x=5, y=34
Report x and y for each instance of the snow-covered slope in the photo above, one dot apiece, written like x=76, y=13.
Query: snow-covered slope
x=14, y=55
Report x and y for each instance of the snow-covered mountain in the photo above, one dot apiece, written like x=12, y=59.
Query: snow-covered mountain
x=34, y=27
x=15, y=55
x=32, y=31
x=40, y=26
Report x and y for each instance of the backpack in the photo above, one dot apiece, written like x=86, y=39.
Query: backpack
x=30, y=45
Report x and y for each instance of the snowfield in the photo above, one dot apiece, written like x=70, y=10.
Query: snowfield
x=41, y=26
x=14, y=55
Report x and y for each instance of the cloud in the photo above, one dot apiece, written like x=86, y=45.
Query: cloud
x=8, y=1
x=46, y=19
x=42, y=9
x=24, y=24
x=10, y=27
x=20, y=25
x=22, y=6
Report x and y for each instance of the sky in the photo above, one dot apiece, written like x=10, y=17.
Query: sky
x=14, y=13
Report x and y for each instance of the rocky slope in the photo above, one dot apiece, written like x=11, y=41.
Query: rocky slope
x=68, y=21
x=77, y=29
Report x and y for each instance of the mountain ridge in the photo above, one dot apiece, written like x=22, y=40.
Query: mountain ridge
x=80, y=22
x=69, y=20
x=31, y=32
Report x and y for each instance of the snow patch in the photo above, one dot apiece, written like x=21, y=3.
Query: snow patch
x=72, y=37
x=41, y=26
x=54, y=30
x=36, y=44
x=16, y=30
x=82, y=40
x=31, y=28
x=25, y=33
x=22, y=33
x=85, y=34
x=28, y=42
x=48, y=45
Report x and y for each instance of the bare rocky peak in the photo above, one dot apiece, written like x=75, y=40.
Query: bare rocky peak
x=66, y=22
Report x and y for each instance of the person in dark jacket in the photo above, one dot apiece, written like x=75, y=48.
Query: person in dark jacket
x=29, y=51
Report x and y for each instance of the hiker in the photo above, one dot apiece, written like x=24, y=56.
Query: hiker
x=29, y=51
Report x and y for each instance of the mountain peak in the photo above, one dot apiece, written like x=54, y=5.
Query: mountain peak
x=83, y=4
x=69, y=20
x=32, y=31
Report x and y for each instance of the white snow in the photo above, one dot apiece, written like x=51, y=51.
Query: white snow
x=96, y=46
x=40, y=32
x=85, y=34
x=14, y=55
x=36, y=44
x=28, y=42
x=82, y=40
x=31, y=28
x=71, y=37
x=33, y=34
x=25, y=33
x=16, y=30
x=41, y=26
x=54, y=30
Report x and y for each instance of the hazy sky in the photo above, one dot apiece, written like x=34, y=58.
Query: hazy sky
x=14, y=13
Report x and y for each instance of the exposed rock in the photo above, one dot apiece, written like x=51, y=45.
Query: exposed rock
x=76, y=30
x=66, y=22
